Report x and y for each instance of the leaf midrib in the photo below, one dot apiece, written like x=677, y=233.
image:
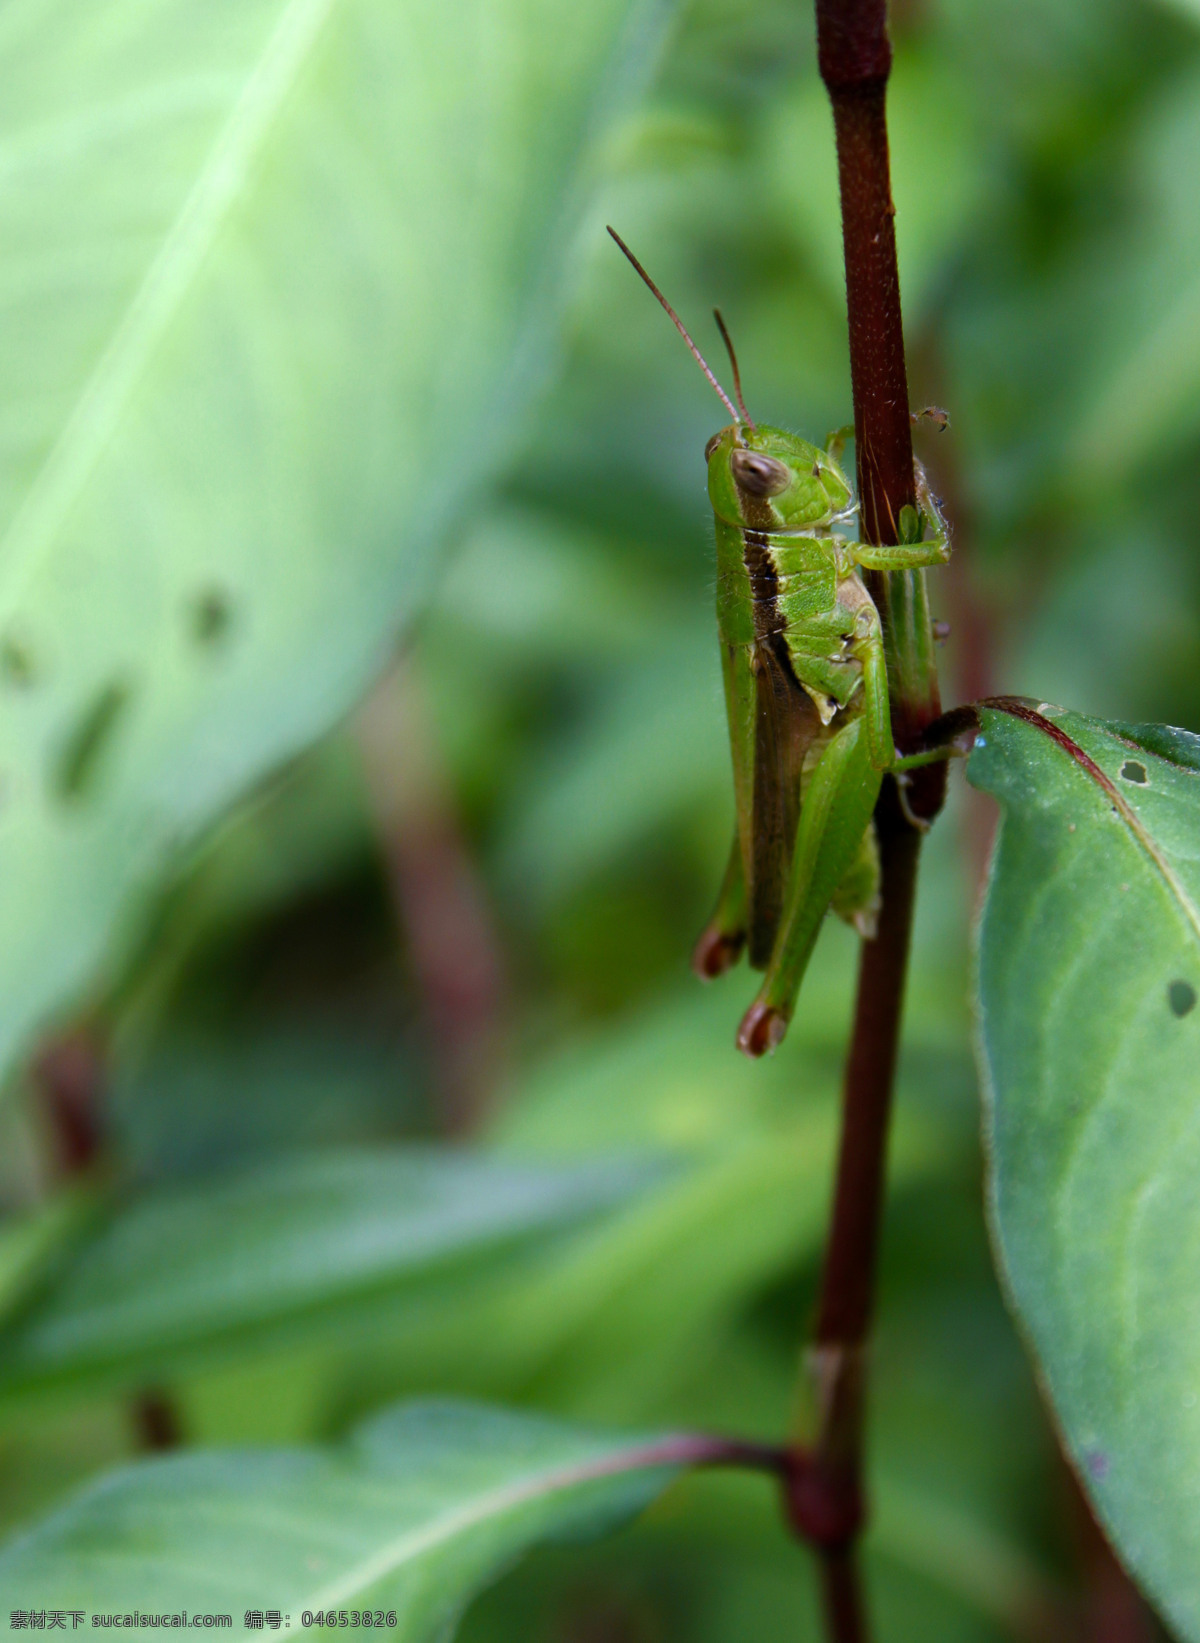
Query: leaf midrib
x=107, y=390
x=1030, y=716
x=406, y=1548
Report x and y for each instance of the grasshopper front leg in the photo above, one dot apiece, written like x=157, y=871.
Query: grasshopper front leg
x=911, y=552
x=839, y=799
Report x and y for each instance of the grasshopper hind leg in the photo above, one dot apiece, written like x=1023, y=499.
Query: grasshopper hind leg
x=857, y=897
x=839, y=798
x=723, y=937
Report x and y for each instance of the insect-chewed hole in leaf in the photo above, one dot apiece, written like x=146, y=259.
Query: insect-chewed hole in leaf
x=16, y=661
x=1132, y=771
x=209, y=616
x=85, y=747
x=1181, y=996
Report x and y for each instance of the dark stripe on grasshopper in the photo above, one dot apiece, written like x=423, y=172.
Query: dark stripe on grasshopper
x=785, y=724
x=764, y=583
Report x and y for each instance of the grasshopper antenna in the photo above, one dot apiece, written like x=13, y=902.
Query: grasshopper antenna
x=737, y=375
x=679, y=326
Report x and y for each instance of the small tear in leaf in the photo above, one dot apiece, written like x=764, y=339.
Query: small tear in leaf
x=1181, y=996
x=1132, y=771
x=85, y=746
x=1049, y=710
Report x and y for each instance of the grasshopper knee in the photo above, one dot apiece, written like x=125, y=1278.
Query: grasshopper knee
x=762, y=1029
x=717, y=951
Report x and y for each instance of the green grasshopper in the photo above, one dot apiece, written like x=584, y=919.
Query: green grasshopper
x=806, y=694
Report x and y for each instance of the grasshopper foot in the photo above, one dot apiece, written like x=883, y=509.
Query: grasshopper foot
x=716, y=952
x=762, y=1029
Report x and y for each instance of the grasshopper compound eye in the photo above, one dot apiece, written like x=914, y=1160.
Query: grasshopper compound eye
x=760, y=475
x=712, y=445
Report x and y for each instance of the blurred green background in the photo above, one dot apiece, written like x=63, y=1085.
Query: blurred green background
x=467, y=912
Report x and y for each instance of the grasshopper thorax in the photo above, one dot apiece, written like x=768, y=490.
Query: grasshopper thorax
x=773, y=480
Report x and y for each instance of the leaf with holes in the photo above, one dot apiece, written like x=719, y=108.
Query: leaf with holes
x=422, y=1506
x=1089, y=972
x=278, y=278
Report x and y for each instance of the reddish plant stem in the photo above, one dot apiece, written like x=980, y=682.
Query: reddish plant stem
x=824, y=1487
x=441, y=907
x=847, y=1291
x=855, y=58
x=826, y=1497
x=841, y=1597
x=70, y=1076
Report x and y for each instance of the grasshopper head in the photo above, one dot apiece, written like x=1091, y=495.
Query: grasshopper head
x=773, y=481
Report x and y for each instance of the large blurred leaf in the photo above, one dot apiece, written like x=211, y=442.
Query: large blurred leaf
x=628, y=1304
x=605, y=1320
x=29, y=1244
x=293, y=1246
x=420, y=1509
x=655, y=750
x=1089, y=971
x=277, y=278
x=935, y=205
x=1137, y=391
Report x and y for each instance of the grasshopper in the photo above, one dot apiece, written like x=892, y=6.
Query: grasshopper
x=806, y=694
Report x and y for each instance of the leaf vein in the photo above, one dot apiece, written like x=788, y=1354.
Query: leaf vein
x=158, y=297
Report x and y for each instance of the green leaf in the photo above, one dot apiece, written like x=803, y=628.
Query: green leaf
x=423, y=1506
x=1089, y=972
x=292, y=1246
x=31, y=1243
x=1134, y=394
x=656, y=750
x=628, y=1304
x=279, y=278
x=935, y=206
